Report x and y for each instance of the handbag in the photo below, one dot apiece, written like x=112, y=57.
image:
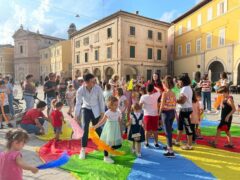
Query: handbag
x=136, y=136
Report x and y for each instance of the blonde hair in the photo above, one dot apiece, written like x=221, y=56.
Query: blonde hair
x=111, y=100
x=136, y=107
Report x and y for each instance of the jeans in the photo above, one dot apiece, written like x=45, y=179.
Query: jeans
x=29, y=102
x=167, y=119
x=31, y=128
x=207, y=100
x=10, y=100
x=49, y=100
x=87, y=117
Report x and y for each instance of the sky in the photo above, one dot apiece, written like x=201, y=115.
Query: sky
x=53, y=17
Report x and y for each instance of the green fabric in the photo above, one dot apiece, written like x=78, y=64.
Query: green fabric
x=176, y=91
x=95, y=168
x=211, y=131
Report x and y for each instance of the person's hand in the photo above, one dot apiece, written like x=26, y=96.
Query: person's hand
x=34, y=170
x=227, y=119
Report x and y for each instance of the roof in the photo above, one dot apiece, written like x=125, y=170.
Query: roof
x=6, y=46
x=195, y=8
x=116, y=14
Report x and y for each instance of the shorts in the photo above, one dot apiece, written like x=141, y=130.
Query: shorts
x=151, y=123
x=184, y=121
x=57, y=129
x=6, y=109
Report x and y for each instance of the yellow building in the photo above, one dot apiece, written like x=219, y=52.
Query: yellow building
x=45, y=62
x=6, y=60
x=207, y=38
x=61, y=58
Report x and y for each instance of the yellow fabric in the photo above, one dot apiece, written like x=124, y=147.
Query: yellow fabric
x=130, y=85
x=222, y=164
x=49, y=134
x=102, y=145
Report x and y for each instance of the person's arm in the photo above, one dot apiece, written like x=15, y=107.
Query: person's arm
x=101, y=122
x=120, y=123
x=25, y=166
x=125, y=105
x=101, y=101
x=78, y=103
x=162, y=102
x=182, y=99
x=38, y=124
x=231, y=103
x=62, y=118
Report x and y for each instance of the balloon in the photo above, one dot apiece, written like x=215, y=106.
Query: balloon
x=102, y=146
x=64, y=158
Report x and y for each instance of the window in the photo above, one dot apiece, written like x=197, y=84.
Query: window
x=180, y=30
x=198, y=45
x=109, y=52
x=189, y=25
x=222, y=8
x=149, y=74
x=179, y=50
x=96, y=37
x=58, y=52
x=96, y=55
x=199, y=20
x=109, y=32
x=86, y=57
x=77, y=44
x=159, y=72
x=222, y=37
x=21, y=49
x=77, y=58
x=159, y=54
x=210, y=13
x=159, y=36
x=86, y=41
x=209, y=41
x=46, y=55
x=150, y=34
x=150, y=53
x=132, y=31
x=188, y=48
x=132, y=51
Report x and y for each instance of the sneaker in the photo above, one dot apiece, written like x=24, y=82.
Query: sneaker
x=228, y=146
x=165, y=148
x=169, y=154
x=133, y=150
x=139, y=155
x=82, y=154
x=157, y=145
x=146, y=145
x=10, y=125
x=187, y=147
x=108, y=160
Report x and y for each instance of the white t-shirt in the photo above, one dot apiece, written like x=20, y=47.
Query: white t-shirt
x=121, y=104
x=113, y=116
x=150, y=104
x=187, y=92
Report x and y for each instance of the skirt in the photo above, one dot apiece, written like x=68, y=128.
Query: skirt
x=111, y=133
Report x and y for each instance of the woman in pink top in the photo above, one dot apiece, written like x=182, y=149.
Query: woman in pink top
x=11, y=162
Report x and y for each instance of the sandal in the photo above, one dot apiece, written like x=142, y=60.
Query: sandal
x=187, y=147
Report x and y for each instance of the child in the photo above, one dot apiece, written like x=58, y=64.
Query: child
x=11, y=162
x=167, y=111
x=136, y=131
x=57, y=119
x=111, y=133
x=228, y=108
x=70, y=96
x=198, y=130
x=4, y=109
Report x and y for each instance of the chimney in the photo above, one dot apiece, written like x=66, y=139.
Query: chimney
x=137, y=12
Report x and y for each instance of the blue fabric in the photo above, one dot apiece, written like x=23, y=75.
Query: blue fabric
x=153, y=165
x=204, y=123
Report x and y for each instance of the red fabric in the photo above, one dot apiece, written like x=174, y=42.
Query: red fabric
x=56, y=117
x=151, y=123
x=224, y=128
x=31, y=115
x=53, y=149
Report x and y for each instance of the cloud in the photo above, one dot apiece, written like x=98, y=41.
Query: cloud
x=198, y=1
x=169, y=16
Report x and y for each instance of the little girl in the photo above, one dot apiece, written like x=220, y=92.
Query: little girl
x=136, y=131
x=57, y=119
x=11, y=162
x=228, y=108
x=111, y=133
x=70, y=96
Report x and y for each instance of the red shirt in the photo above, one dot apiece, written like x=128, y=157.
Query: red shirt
x=56, y=117
x=31, y=115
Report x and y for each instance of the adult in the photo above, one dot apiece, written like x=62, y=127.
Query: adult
x=9, y=86
x=114, y=81
x=90, y=102
x=45, y=80
x=205, y=85
x=223, y=79
x=76, y=83
x=33, y=119
x=62, y=87
x=29, y=91
x=50, y=88
x=156, y=81
x=58, y=79
x=185, y=103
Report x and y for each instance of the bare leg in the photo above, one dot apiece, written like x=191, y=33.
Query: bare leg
x=155, y=137
x=189, y=138
x=229, y=138
x=57, y=135
x=146, y=136
x=179, y=136
x=133, y=145
x=138, y=147
x=217, y=135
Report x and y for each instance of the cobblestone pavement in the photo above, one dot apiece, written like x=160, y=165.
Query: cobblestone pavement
x=30, y=156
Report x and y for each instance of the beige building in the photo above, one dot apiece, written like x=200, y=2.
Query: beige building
x=127, y=44
x=45, y=62
x=61, y=58
x=6, y=60
x=26, y=52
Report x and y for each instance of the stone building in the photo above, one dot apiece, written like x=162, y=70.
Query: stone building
x=45, y=62
x=123, y=43
x=6, y=59
x=26, y=52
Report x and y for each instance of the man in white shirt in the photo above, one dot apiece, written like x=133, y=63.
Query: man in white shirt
x=90, y=105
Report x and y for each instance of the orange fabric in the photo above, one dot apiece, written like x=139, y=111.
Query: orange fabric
x=218, y=101
x=3, y=113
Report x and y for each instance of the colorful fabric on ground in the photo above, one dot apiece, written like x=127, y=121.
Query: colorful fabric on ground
x=102, y=145
x=77, y=130
x=93, y=167
x=53, y=149
x=211, y=131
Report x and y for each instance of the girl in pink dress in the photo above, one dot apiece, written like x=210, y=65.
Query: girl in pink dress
x=11, y=162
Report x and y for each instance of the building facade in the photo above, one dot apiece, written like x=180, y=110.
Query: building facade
x=26, y=52
x=6, y=60
x=123, y=43
x=45, y=63
x=206, y=39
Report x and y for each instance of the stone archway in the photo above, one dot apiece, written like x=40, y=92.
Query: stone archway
x=108, y=73
x=85, y=71
x=97, y=73
x=130, y=72
x=216, y=68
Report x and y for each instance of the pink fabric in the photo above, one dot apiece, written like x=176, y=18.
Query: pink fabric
x=77, y=130
x=8, y=166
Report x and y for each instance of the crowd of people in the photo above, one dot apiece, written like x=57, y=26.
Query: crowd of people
x=137, y=109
